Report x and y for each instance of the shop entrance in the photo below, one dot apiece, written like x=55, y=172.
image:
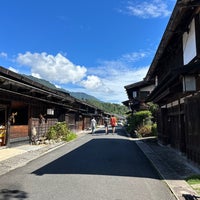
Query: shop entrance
x=3, y=117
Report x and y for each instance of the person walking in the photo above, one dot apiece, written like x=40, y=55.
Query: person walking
x=93, y=125
x=106, y=121
x=113, y=122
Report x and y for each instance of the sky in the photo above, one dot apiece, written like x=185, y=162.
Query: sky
x=91, y=46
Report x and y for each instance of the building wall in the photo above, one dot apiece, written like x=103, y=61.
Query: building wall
x=79, y=125
x=41, y=127
x=179, y=122
x=18, y=131
x=192, y=133
x=179, y=126
x=70, y=120
x=87, y=122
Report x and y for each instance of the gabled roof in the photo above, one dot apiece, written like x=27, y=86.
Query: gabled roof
x=170, y=84
x=126, y=103
x=20, y=86
x=136, y=87
x=182, y=14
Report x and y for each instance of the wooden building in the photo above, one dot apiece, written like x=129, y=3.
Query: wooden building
x=27, y=106
x=175, y=71
x=137, y=93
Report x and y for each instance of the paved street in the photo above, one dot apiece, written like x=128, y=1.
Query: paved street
x=93, y=167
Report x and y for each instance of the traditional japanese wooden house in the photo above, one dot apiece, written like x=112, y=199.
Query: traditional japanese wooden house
x=137, y=93
x=28, y=107
x=85, y=113
x=175, y=71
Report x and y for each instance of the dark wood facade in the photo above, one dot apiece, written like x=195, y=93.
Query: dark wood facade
x=175, y=71
x=137, y=93
x=27, y=106
x=176, y=66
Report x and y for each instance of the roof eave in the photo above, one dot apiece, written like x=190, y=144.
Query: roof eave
x=174, y=21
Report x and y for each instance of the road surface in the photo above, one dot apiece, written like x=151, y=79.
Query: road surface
x=93, y=167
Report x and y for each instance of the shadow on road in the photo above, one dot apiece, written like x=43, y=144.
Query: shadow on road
x=6, y=194
x=113, y=156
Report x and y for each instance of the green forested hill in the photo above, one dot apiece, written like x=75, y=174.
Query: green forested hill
x=41, y=81
x=83, y=96
x=107, y=107
x=111, y=108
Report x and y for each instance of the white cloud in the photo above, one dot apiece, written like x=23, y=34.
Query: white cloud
x=148, y=9
x=58, y=86
x=105, y=81
x=36, y=75
x=112, y=88
x=54, y=68
x=116, y=74
x=120, y=65
x=13, y=69
x=115, y=84
x=3, y=55
x=92, y=82
x=133, y=57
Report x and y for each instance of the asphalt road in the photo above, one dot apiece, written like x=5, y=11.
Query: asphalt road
x=93, y=167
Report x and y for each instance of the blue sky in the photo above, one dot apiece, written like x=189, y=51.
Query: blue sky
x=91, y=46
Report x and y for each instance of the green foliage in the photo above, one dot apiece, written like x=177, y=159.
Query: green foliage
x=112, y=108
x=153, y=108
x=140, y=124
x=69, y=137
x=60, y=130
x=52, y=134
x=194, y=179
x=154, y=129
x=138, y=118
x=107, y=107
x=83, y=96
x=144, y=130
x=41, y=81
x=147, y=130
x=194, y=182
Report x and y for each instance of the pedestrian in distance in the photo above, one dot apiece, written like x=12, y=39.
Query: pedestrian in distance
x=93, y=125
x=106, y=121
x=113, y=123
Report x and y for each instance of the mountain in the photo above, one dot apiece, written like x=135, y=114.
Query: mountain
x=83, y=96
x=78, y=95
x=41, y=81
x=107, y=107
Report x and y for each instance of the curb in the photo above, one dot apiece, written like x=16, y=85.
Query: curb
x=179, y=188
x=155, y=167
x=29, y=155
